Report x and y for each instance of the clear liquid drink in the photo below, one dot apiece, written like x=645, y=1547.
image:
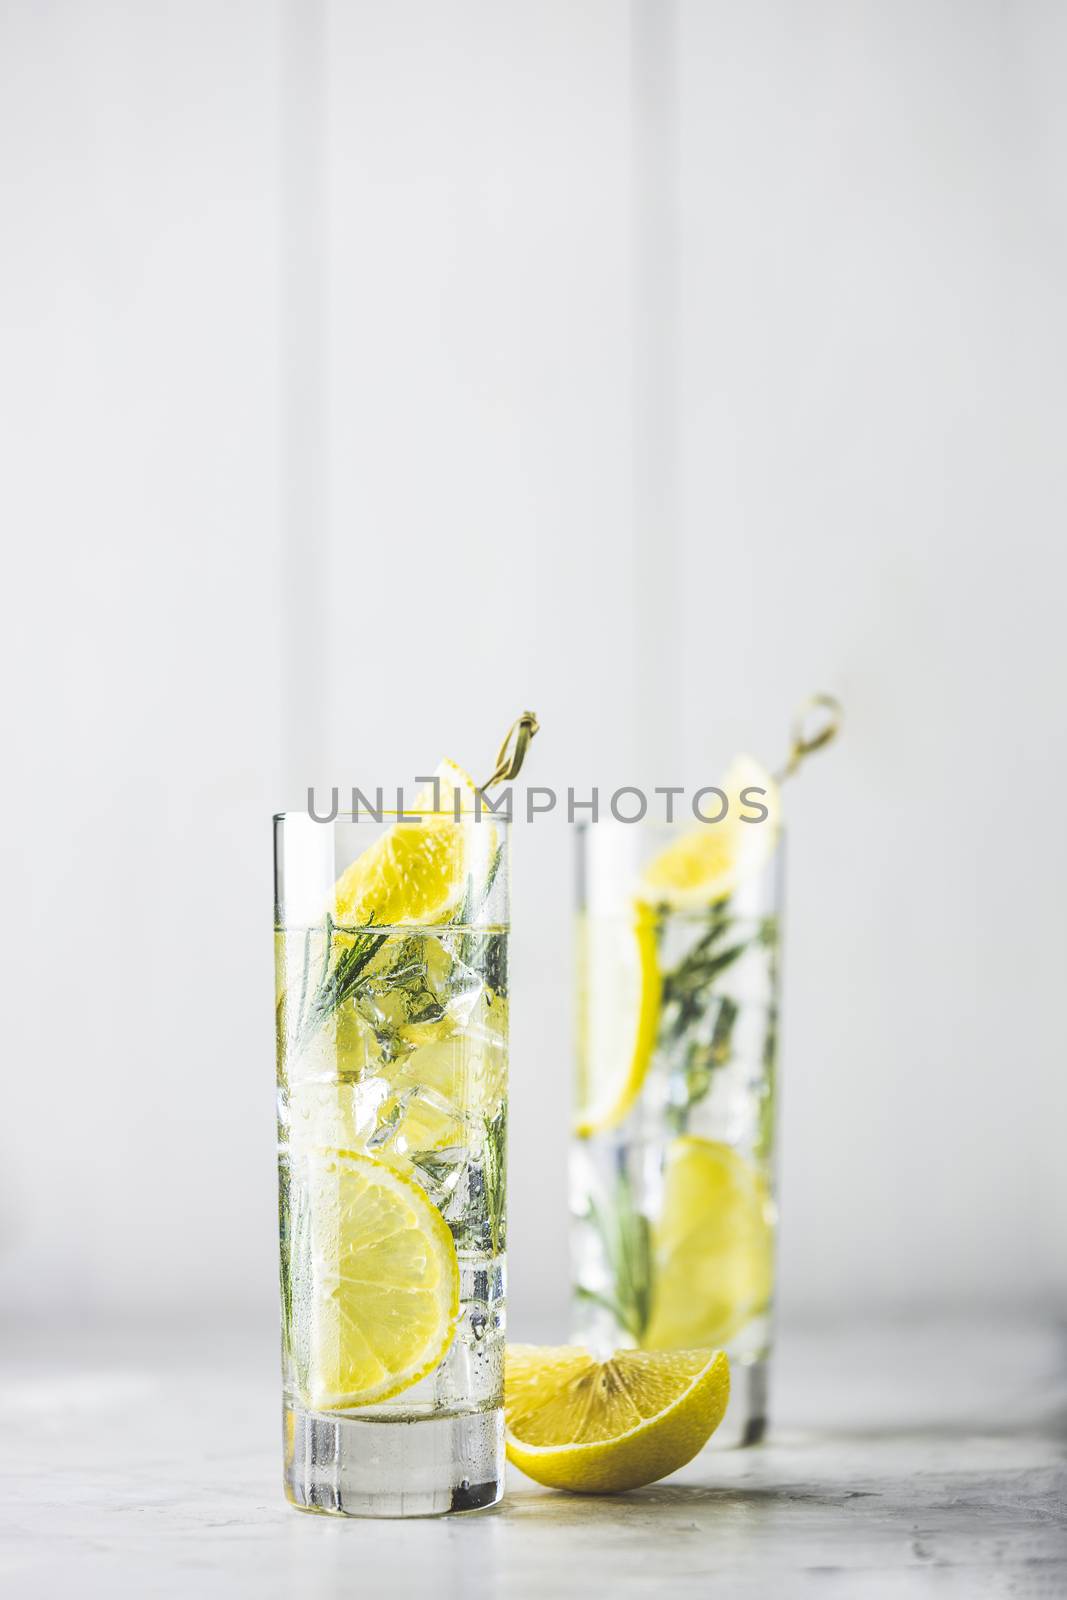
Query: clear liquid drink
x=392, y=1022
x=672, y=1166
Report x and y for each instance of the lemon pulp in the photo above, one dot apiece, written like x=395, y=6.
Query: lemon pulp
x=618, y=1008
x=713, y=1246
x=707, y=862
x=383, y=1282
x=414, y=872
x=601, y=1426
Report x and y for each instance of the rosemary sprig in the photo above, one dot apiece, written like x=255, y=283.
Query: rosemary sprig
x=485, y=951
x=494, y=1167
x=765, y=1141
x=338, y=982
x=691, y=1002
x=472, y=904
x=700, y=1061
x=695, y=1039
x=626, y=1241
x=685, y=987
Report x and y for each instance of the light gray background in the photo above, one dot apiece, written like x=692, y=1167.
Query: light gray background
x=371, y=371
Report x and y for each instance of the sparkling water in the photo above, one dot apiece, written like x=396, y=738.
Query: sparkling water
x=711, y=1077
x=392, y=1043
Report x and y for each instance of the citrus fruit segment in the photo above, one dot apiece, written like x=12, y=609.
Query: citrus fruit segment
x=713, y=1247
x=414, y=873
x=708, y=861
x=383, y=1291
x=618, y=1008
x=598, y=1427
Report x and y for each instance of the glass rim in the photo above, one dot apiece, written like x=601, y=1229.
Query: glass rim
x=649, y=824
x=392, y=814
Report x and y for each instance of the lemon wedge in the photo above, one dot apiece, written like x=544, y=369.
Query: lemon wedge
x=597, y=1427
x=708, y=861
x=445, y=1079
x=618, y=1010
x=713, y=1246
x=413, y=873
x=382, y=1296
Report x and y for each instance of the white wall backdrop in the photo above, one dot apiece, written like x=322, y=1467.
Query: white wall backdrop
x=370, y=372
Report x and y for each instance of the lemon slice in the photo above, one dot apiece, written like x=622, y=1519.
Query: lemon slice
x=618, y=1008
x=601, y=1426
x=414, y=873
x=708, y=861
x=382, y=1298
x=713, y=1247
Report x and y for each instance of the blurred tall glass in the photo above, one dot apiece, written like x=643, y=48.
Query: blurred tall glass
x=673, y=1152
x=392, y=1029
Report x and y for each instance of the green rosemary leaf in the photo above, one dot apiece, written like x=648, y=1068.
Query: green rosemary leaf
x=700, y=1060
x=286, y=1248
x=765, y=1139
x=495, y=1170
x=695, y=959
x=603, y=1301
x=338, y=982
x=697, y=1022
x=327, y=950
x=698, y=970
x=496, y=964
x=485, y=951
x=626, y=1242
x=438, y=1166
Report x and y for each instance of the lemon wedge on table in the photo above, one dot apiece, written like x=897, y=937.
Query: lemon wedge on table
x=619, y=1000
x=597, y=1427
x=713, y=1246
x=383, y=1292
x=708, y=861
x=414, y=873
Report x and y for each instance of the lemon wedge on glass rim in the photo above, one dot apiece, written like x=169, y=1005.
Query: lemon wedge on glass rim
x=415, y=875
x=620, y=983
x=708, y=861
x=414, y=872
x=598, y=1427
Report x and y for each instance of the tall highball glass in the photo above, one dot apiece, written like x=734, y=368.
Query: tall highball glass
x=673, y=1153
x=392, y=1028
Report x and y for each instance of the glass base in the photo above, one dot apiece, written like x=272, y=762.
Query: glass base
x=745, y=1422
x=419, y=1467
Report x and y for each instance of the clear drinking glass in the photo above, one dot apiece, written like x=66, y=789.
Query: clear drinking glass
x=392, y=1029
x=672, y=1169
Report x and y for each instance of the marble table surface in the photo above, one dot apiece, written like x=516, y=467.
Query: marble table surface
x=905, y=1459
